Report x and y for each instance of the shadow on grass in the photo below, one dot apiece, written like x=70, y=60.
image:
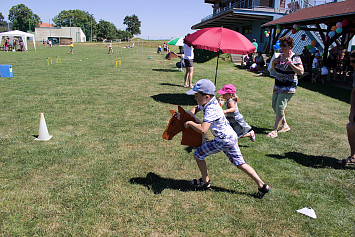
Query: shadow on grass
x=158, y=184
x=311, y=161
x=170, y=84
x=338, y=93
x=260, y=130
x=242, y=67
x=165, y=70
x=175, y=98
x=189, y=149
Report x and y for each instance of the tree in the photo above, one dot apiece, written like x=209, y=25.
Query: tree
x=23, y=18
x=106, y=30
x=76, y=18
x=133, y=24
x=3, y=24
x=124, y=35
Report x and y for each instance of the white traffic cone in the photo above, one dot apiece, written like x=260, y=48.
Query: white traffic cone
x=308, y=211
x=43, y=134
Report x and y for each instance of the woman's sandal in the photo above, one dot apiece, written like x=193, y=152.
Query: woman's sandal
x=283, y=129
x=199, y=184
x=262, y=191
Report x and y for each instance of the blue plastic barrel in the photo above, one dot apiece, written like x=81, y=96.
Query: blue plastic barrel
x=6, y=71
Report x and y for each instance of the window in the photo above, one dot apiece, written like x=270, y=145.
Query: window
x=247, y=29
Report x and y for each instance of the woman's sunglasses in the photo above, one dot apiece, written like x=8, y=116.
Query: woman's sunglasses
x=284, y=45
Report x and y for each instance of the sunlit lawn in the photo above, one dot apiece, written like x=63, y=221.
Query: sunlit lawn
x=108, y=172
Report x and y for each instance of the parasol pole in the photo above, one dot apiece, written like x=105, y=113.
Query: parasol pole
x=215, y=78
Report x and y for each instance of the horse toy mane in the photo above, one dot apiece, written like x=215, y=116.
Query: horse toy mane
x=171, y=55
x=221, y=101
x=176, y=124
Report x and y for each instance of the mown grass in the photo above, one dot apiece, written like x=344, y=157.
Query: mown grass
x=108, y=172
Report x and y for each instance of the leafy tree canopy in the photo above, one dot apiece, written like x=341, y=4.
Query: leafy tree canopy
x=106, y=30
x=22, y=18
x=76, y=18
x=133, y=24
x=124, y=35
x=3, y=23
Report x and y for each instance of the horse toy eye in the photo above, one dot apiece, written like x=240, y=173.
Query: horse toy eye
x=177, y=115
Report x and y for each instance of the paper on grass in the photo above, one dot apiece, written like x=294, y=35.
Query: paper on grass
x=308, y=211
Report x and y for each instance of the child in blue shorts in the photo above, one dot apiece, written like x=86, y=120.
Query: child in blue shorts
x=225, y=139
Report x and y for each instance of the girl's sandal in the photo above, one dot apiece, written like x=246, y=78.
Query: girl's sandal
x=199, y=184
x=262, y=191
x=272, y=134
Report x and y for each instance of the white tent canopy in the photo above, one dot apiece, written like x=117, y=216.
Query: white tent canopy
x=23, y=35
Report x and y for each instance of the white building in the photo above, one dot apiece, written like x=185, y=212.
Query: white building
x=75, y=33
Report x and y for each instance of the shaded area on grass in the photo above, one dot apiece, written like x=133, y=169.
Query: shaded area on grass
x=175, y=98
x=165, y=70
x=335, y=92
x=310, y=160
x=158, y=184
x=189, y=149
x=258, y=130
x=170, y=84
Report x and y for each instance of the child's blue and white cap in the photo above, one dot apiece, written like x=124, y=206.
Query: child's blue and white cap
x=204, y=86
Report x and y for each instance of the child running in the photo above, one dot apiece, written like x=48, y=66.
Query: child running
x=225, y=139
x=110, y=49
x=71, y=48
x=234, y=117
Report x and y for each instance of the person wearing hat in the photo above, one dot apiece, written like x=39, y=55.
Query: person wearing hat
x=225, y=139
x=315, y=67
x=234, y=117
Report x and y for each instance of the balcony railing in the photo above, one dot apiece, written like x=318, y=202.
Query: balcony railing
x=243, y=4
x=256, y=5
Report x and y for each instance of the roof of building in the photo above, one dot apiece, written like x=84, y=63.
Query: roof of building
x=41, y=24
x=234, y=16
x=330, y=12
x=211, y=1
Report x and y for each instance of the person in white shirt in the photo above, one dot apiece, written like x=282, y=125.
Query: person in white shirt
x=315, y=67
x=189, y=65
x=110, y=49
x=225, y=138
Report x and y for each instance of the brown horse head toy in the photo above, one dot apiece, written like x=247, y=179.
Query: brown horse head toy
x=171, y=55
x=176, y=124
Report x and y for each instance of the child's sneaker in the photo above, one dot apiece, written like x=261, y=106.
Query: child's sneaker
x=348, y=161
x=262, y=191
x=252, y=136
x=199, y=184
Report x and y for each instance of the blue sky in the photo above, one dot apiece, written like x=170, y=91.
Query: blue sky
x=161, y=19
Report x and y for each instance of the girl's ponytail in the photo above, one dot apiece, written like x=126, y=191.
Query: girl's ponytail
x=235, y=98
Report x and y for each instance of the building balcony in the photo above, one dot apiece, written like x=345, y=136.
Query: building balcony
x=252, y=5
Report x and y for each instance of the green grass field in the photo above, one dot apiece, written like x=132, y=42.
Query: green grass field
x=108, y=172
